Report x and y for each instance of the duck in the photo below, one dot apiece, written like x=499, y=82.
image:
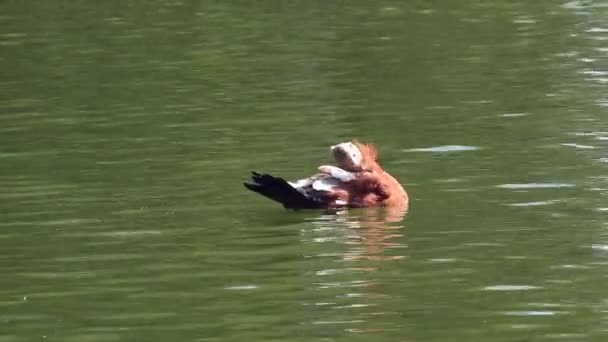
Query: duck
x=356, y=181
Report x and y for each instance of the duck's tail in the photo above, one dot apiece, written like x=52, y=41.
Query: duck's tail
x=279, y=190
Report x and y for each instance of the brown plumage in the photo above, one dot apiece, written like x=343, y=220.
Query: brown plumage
x=373, y=186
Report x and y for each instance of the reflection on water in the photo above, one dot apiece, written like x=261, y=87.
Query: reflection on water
x=354, y=254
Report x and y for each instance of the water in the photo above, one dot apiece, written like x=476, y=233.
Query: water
x=126, y=129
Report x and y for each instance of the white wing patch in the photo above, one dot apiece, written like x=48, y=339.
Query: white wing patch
x=302, y=183
x=342, y=175
x=326, y=184
x=336, y=172
x=331, y=178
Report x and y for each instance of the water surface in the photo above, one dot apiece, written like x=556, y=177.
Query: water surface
x=127, y=128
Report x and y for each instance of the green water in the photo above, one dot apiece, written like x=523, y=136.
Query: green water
x=127, y=128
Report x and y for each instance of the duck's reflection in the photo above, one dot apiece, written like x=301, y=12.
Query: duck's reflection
x=354, y=257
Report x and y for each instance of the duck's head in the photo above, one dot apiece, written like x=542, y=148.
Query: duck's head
x=354, y=156
x=347, y=156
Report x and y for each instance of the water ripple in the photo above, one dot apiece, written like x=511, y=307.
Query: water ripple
x=526, y=186
x=579, y=146
x=444, y=149
x=511, y=288
x=531, y=313
x=533, y=204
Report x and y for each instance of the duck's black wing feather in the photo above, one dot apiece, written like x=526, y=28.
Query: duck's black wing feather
x=279, y=190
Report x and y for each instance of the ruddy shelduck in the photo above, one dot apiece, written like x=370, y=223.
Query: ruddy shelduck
x=357, y=181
